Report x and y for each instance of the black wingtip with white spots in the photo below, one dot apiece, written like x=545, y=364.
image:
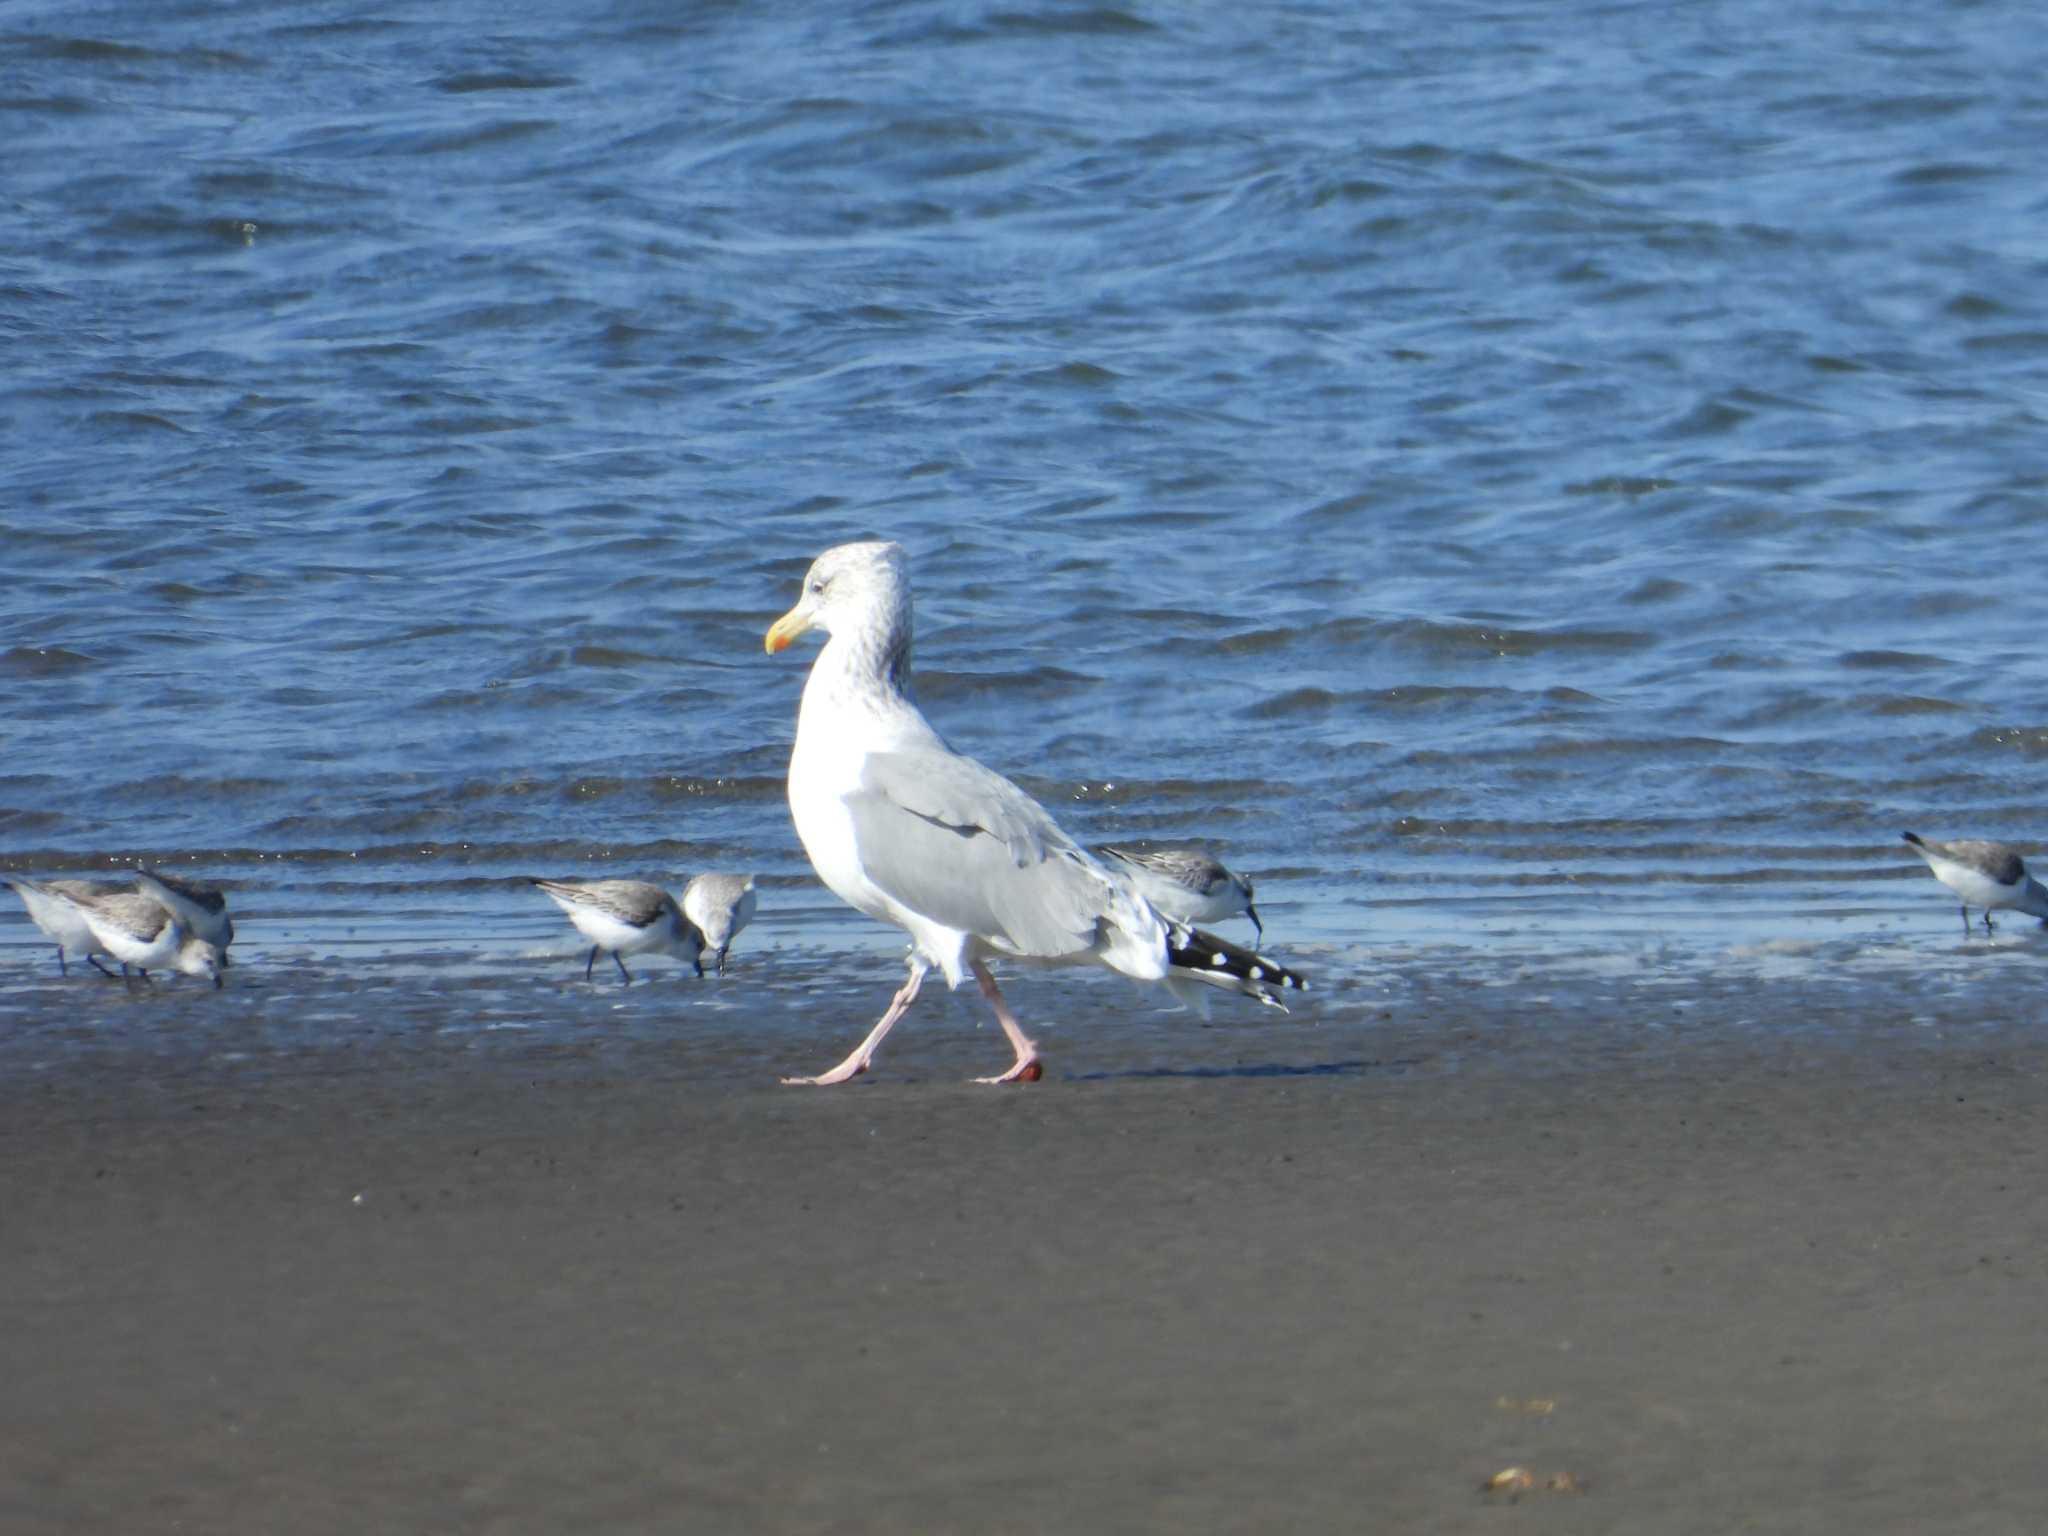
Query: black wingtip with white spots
x=1203, y=957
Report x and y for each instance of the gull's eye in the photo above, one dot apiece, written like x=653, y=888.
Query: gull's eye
x=819, y=584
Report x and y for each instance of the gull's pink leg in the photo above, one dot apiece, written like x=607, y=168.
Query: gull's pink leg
x=1026, y=1068
x=863, y=1053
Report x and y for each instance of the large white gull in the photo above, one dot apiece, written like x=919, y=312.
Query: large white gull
x=907, y=830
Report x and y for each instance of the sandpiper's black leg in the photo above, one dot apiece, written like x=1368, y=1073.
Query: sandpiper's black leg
x=60, y=961
x=721, y=957
x=624, y=977
x=1987, y=921
x=1257, y=927
x=1966, y=922
x=699, y=963
x=94, y=962
x=595, y=947
x=129, y=981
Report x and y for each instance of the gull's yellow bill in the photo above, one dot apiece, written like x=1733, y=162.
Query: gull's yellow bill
x=787, y=628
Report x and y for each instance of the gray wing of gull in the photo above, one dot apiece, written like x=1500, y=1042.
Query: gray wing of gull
x=961, y=845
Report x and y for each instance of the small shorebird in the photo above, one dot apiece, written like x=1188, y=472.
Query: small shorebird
x=720, y=906
x=626, y=917
x=1983, y=875
x=1185, y=884
x=53, y=907
x=202, y=911
x=141, y=931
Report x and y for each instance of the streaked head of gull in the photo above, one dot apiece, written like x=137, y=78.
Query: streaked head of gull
x=855, y=591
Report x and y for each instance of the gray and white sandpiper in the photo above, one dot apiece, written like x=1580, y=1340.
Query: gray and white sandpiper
x=1185, y=884
x=142, y=932
x=720, y=906
x=202, y=910
x=626, y=917
x=1984, y=875
x=53, y=907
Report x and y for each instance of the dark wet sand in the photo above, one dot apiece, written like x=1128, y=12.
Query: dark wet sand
x=1329, y=1280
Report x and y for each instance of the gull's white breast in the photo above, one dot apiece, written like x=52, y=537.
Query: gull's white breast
x=833, y=736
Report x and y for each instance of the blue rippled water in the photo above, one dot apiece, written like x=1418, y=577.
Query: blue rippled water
x=1535, y=485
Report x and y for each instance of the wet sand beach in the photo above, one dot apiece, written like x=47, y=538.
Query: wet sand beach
x=1314, y=1274
x=1544, y=490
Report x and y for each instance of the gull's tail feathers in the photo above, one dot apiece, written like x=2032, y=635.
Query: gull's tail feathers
x=1198, y=956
